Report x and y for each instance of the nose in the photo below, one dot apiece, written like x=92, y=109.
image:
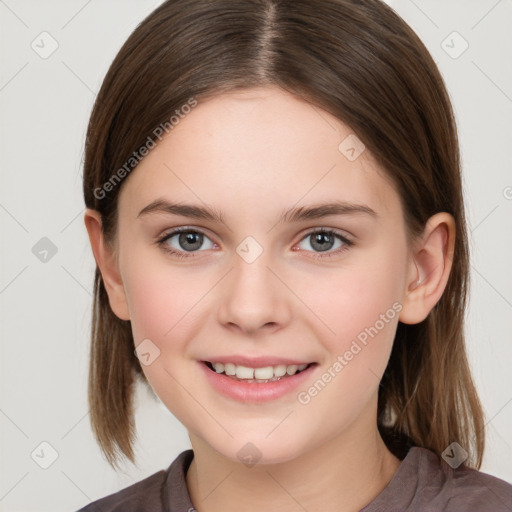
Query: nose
x=254, y=297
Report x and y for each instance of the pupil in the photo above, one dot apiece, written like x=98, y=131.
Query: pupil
x=195, y=239
x=323, y=240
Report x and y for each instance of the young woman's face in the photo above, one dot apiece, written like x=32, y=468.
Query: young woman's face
x=258, y=287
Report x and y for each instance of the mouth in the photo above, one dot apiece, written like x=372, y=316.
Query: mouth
x=257, y=380
x=258, y=375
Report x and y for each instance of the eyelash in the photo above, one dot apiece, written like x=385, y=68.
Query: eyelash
x=180, y=254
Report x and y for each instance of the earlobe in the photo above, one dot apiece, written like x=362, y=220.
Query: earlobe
x=429, y=268
x=106, y=260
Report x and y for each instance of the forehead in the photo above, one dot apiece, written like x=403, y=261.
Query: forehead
x=261, y=149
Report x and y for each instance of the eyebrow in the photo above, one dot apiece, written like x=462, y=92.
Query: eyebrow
x=291, y=215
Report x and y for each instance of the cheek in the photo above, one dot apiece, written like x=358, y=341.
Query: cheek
x=152, y=313
x=161, y=298
x=361, y=307
x=354, y=298
x=164, y=304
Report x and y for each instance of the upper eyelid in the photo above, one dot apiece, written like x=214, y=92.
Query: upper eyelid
x=182, y=229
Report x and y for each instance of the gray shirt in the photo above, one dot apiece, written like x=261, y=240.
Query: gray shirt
x=422, y=483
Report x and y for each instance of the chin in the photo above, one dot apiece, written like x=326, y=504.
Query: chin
x=258, y=449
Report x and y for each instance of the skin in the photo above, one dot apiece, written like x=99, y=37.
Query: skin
x=252, y=154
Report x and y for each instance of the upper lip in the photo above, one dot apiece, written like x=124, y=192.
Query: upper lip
x=256, y=362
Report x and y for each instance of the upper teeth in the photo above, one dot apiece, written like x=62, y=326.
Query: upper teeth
x=267, y=372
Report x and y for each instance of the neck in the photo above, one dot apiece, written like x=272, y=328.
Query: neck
x=343, y=474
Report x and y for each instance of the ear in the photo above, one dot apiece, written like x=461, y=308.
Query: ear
x=106, y=259
x=429, y=268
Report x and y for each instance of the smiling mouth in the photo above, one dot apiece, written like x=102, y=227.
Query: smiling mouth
x=257, y=375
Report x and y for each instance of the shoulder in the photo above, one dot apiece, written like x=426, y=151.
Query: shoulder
x=141, y=496
x=463, y=488
x=443, y=487
x=147, y=495
x=425, y=482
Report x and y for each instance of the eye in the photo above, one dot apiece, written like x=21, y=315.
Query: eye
x=185, y=240
x=323, y=240
x=182, y=240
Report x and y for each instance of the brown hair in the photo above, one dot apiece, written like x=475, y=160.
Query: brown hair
x=359, y=61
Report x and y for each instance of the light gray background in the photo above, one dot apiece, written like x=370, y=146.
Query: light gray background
x=46, y=306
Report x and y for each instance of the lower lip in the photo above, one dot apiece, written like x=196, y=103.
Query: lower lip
x=254, y=392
